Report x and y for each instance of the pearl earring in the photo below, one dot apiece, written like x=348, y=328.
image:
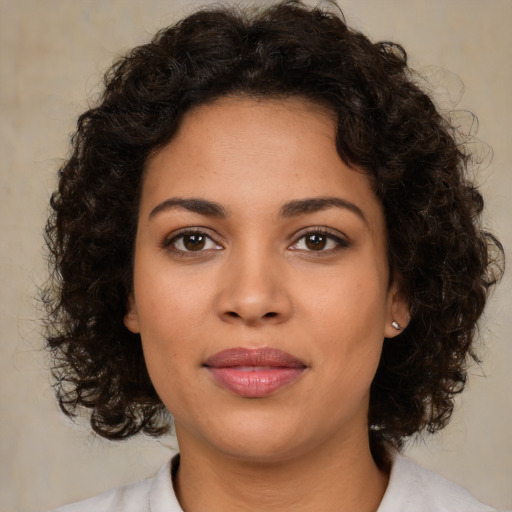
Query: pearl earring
x=396, y=325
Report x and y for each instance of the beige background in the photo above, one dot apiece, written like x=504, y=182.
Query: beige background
x=53, y=53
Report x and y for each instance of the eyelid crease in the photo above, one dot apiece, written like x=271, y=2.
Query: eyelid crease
x=169, y=239
x=321, y=230
x=341, y=239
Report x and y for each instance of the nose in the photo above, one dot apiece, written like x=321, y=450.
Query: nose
x=254, y=291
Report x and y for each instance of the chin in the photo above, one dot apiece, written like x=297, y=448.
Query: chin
x=254, y=436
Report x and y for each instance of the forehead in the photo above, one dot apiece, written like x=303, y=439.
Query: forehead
x=252, y=127
x=242, y=151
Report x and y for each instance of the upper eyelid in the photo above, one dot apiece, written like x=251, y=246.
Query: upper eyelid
x=341, y=243
x=190, y=230
x=324, y=230
x=293, y=239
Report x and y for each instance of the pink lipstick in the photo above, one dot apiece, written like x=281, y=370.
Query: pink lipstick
x=254, y=372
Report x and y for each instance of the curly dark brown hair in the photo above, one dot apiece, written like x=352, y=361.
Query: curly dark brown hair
x=387, y=126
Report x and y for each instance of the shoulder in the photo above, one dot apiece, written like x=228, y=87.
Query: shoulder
x=151, y=495
x=133, y=497
x=413, y=487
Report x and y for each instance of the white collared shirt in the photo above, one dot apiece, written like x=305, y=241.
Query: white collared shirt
x=411, y=488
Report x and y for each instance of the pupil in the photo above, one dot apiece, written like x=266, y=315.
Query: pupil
x=194, y=242
x=316, y=242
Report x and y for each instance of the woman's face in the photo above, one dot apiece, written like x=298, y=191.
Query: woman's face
x=261, y=286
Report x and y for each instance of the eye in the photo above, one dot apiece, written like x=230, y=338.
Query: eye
x=319, y=241
x=192, y=241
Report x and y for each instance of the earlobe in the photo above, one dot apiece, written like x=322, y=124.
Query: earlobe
x=131, y=318
x=398, y=314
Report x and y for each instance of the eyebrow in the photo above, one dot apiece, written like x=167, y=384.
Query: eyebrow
x=291, y=209
x=316, y=204
x=200, y=206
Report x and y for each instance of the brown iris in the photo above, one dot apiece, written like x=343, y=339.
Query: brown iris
x=194, y=242
x=316, y=242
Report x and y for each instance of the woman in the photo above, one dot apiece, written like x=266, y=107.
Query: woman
x=266, y=230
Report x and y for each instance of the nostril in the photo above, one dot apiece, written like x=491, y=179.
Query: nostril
x=270, y=314
x=233, y=314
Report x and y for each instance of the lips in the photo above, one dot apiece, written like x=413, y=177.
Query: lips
x=254, y=372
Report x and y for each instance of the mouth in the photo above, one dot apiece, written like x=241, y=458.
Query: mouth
x=254, y=372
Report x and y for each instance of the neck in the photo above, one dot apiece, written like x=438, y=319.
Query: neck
x=324, y=479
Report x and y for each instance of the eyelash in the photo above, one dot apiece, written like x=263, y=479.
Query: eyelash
x=339, y=241
x=171, y=242
x=329, y=237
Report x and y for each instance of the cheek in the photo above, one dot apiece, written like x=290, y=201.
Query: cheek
x=168, y=302
x=170, y=359
x=166, y=311
x=351, y=303
x=349, y=320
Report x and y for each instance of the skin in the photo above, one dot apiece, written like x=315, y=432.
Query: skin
x=256, y=283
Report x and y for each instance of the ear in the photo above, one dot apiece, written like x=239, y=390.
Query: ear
x=398, y=312
x=131, y=318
